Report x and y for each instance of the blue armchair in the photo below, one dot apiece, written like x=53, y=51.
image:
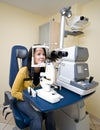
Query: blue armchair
x=18, y=52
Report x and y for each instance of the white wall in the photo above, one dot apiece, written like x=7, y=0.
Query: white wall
x=16, y=27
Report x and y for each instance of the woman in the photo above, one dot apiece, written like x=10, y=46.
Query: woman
x=27, y=77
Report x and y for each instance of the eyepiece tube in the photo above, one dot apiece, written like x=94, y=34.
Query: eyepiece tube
x=58, y=54
x=54, y=55
x=62, y=54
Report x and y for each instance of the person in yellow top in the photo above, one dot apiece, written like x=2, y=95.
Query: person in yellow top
x=27, y=77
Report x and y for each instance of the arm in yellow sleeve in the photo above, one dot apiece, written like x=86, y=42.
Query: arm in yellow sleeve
x=18, y=85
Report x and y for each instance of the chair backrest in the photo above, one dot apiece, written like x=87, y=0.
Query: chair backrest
x=18, y=52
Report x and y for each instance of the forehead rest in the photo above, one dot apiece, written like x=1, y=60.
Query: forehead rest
x=21, y=53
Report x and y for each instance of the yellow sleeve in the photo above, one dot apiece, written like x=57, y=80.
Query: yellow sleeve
x=18, y=85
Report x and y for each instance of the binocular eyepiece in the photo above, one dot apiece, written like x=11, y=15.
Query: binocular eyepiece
x=58, y=54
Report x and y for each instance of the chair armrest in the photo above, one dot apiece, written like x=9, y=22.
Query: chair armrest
x=8, y=98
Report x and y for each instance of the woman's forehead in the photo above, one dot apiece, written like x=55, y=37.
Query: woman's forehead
x=40, y=49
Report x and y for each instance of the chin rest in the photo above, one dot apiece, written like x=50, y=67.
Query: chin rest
x=21, y=53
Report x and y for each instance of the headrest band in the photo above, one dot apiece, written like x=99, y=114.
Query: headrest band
x=21, y=53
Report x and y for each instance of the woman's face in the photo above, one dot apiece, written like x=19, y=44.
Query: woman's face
x=39, y=56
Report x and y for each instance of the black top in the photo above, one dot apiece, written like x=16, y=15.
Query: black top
x=36, y=79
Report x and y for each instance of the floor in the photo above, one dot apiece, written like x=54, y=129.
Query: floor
x=94, y=123
x=9, y=123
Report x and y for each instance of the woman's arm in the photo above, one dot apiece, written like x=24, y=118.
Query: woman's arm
x=18, y=85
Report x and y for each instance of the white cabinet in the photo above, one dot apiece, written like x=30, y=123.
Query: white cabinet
x=49, y=34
